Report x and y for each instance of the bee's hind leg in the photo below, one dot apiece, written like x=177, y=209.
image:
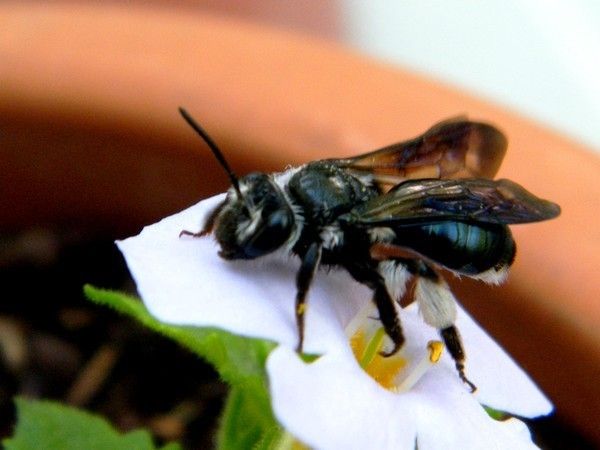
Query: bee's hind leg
x=438, y=307
x=453, y=343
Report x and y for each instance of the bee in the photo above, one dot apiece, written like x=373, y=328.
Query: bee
x=399, y=213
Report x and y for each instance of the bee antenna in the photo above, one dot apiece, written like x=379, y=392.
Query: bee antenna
x=213, y=147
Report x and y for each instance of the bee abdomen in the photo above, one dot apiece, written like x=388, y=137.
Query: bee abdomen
x=464, y=247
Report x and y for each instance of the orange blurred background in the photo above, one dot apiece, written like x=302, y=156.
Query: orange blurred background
x=90, y=138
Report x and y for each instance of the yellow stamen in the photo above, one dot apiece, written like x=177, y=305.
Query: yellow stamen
x=366, y=350
x=367, y=337
x=435, y=352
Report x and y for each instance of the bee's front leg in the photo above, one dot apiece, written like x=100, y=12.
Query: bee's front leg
x=306, y=273
x=209, y=224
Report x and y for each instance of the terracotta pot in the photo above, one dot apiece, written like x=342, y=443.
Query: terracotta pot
x=91, y=135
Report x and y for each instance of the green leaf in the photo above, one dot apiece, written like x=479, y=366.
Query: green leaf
x=244, y=424
x=49, y=425
x=240, y=362
x=171, y=446
x=496, y=414
x=272, y=440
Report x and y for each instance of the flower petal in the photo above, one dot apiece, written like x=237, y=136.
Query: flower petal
x=501, y=383
x=448, y=417
x=332, y=404
x=184, y=281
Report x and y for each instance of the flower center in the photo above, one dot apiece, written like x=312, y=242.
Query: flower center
x=366, y=350
x=367, y=338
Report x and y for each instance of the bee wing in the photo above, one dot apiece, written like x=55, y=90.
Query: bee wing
x=475, y=199
x=455, y=148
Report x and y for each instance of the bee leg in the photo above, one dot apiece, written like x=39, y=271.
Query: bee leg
x=438, y=307
x=453, y=343
x=308, y=267
x=370, y=276
x=208, y=224
x=195, y=234
x=388, y=316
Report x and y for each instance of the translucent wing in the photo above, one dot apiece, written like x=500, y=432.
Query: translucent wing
x=455, y=148
x=474, y=199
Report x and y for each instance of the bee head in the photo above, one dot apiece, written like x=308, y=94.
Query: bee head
x=258, y=223
x=255, y=218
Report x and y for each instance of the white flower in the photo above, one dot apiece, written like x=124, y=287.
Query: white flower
x=332, y=402
x=406, y=399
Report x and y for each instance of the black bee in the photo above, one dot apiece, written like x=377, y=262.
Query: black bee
x=387, y=216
